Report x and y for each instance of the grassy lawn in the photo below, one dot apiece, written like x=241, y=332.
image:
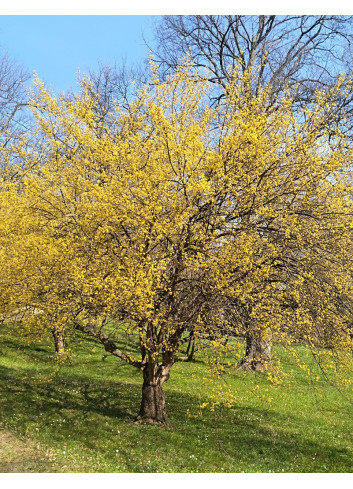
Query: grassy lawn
x=78, y=417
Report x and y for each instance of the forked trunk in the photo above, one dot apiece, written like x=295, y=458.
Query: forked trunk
x=257, y=354
x=153, y=408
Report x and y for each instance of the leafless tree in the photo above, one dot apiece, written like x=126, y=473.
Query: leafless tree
x=13, y=102
x=299, y=51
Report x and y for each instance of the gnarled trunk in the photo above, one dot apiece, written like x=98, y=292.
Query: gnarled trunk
x=153, y=408
x=257, y=354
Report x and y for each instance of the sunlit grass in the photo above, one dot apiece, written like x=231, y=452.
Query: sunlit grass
x=80, y=414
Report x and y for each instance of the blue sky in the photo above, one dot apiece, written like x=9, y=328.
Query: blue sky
x=56, y=46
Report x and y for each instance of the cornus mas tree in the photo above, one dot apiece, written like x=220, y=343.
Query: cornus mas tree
x=177, y=214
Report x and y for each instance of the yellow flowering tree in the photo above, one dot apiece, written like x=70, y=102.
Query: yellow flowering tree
x=177, y=217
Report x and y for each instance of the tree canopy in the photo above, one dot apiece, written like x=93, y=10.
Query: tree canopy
x=170, y=215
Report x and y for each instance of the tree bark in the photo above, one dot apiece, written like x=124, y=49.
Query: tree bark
x=190, y=351
x=257, y=356
x=58, y=342
x=153, y=407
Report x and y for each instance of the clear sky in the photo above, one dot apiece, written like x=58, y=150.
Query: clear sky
x=56, y=46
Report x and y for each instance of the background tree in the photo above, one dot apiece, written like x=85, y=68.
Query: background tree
x=15, y=131
x=14, y=122
x=14, y=117
x=298, y=52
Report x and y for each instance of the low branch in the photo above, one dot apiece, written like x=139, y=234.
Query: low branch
x=108, y=344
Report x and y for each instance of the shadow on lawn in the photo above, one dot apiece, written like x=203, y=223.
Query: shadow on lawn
x=88, y=412
x=266, y=440
x=32, y=396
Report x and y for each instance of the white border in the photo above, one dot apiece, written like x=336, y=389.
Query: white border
x=163, y=7
x=252, y=481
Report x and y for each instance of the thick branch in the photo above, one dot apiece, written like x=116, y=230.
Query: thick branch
x=108, y=344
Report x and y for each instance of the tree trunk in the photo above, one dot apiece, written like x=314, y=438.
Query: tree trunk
x=58, y=342
x=257, y=356
x=190, y=351
x=153, y=408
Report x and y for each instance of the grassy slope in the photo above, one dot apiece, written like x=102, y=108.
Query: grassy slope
x=78, y=417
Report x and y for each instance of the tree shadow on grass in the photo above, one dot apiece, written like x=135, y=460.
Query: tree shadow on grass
x=265, y=439
x=35, y=396
x=234, y=439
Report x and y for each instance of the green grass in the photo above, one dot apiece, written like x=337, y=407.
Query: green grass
x=78, y=417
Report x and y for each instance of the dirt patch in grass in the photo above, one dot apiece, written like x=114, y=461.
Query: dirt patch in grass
x=17, y=455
